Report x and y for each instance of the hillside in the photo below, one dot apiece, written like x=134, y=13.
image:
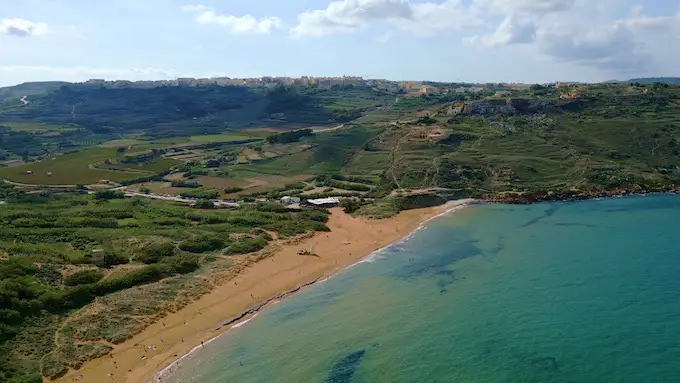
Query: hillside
x=185, y=110
x=591, y=139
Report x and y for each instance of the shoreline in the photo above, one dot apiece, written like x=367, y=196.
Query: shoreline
x=239, y=299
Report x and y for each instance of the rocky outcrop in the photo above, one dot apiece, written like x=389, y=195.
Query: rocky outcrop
x=576, y=195
x=518, y=106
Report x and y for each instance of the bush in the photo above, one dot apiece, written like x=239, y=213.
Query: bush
x=234, y=189
x=202, y=244
x=83, y=277
x=181, y=263
x=154, y=252
x=202, y=193
x=185, y=184
x=287, y=137
x=204, y=204
x=348, y=186
x=246, y=245
x=109, y=194
x=109, y=258
x=350, y=205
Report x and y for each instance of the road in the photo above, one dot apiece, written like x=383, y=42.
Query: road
x=216, y=202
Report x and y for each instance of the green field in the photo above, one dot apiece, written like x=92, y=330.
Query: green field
x=68, y=169
x=156, y=166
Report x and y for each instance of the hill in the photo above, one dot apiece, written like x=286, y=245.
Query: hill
x=651, y=80
x=184, y=110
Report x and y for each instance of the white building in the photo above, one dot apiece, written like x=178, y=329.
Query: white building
x=287, y=200
x=330, y=201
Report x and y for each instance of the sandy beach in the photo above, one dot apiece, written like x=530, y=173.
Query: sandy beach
x=178, y=333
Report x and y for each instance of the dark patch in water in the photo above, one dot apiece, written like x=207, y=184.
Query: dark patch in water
x=573, y=224
x=545, y=364
x=500, y=245
x=343, y=371
x=437, y=262
x=300, y=308
x=551, y=210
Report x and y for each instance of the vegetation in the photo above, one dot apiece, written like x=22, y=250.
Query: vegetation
x=201, y=193
x=288, y=137
x=61, y=248
x=46, y=234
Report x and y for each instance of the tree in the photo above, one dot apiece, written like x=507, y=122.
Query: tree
x=120, y=150
x=109, y=194
x=350, y=205
x=204, y=204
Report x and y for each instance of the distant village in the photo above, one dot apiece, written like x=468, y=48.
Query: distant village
x=408, y=88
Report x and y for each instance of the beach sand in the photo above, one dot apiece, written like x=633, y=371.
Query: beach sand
x=176, y=334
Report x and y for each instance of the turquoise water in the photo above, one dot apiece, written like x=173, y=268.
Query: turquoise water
x=555, y=292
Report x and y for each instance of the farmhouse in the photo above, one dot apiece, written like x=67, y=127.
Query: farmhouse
x=324, y=202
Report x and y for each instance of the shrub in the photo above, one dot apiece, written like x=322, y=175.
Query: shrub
x=83, y=277
x=234, y=189
x=287, y=137
x=185, y=184
x=181, y=263
x=350, y=205
x=246, y=245
x=109, y=258
x=109, y=194
x=155, y=251
x=202, y=193
x=204, y=204
x=202, y=244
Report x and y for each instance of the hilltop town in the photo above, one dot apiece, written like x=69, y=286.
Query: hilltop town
x=405, y=87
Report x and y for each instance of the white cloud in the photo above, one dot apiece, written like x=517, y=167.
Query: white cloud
x=609, y=47
x=580, y=35
x=194, y=8
x=22, y=28
x=349, y=15
x=525, y=7
x=240, y=25
x=346, y=16
x=512, y=30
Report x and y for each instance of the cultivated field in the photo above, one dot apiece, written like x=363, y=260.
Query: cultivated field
x=68, y=169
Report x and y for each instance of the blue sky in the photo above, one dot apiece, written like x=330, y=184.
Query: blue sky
x=446, y=40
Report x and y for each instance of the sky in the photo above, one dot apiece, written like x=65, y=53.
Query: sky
x=530, y=41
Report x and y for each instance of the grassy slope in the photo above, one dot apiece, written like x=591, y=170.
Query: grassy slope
x=617, y=136
x=67, y=169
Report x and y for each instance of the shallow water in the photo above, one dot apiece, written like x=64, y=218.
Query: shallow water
x=555, y=292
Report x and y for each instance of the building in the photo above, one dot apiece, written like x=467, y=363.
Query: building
x=324, y=202
x=287, y=200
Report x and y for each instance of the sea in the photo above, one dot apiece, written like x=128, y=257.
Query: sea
x=551, y=292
